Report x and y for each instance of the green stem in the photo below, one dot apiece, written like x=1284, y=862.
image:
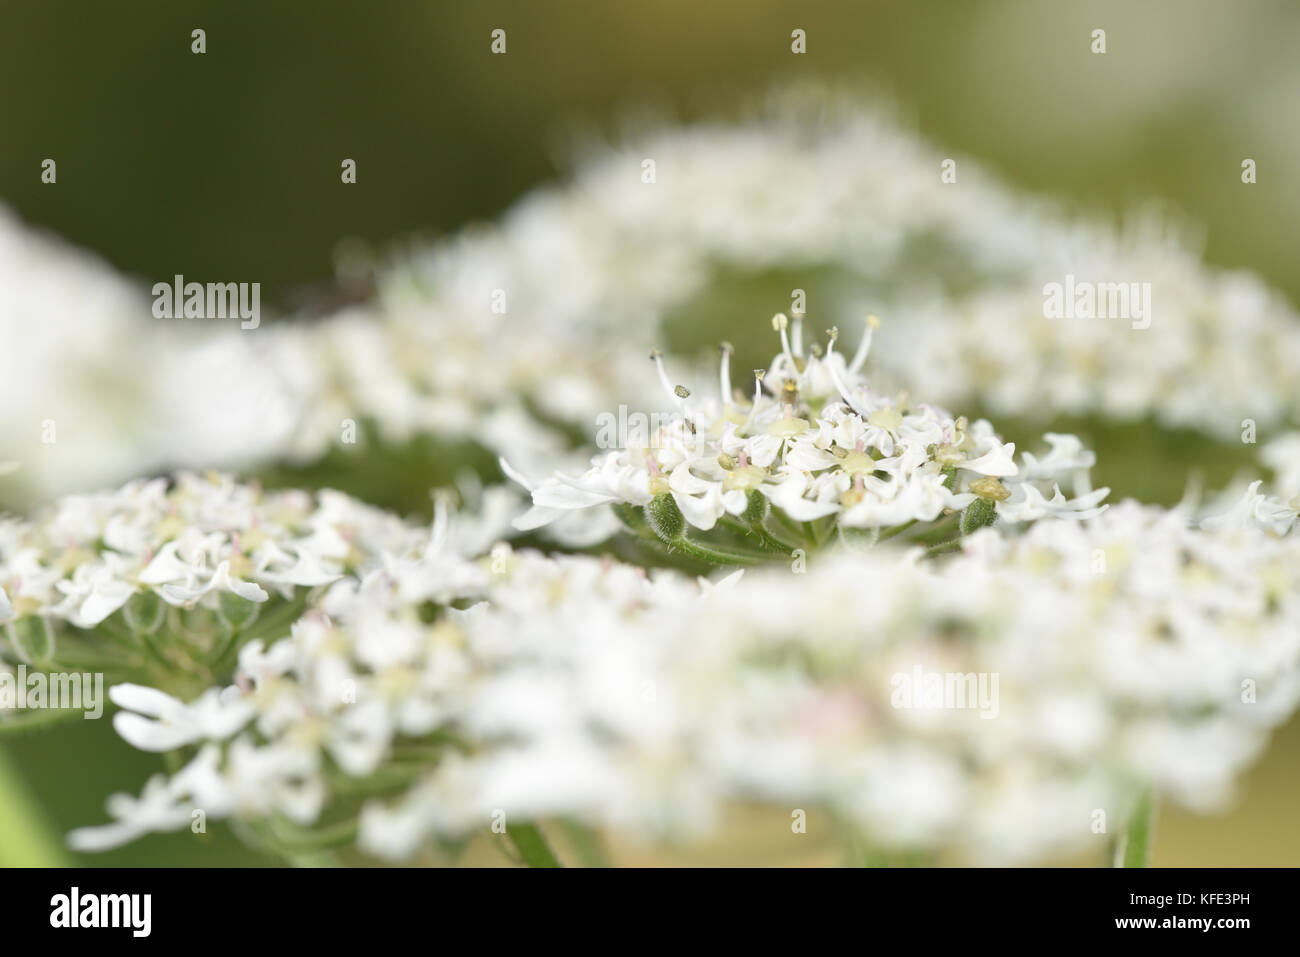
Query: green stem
x=714, y=555
x=532, y=846
x=757, y=531
x=297, y=839
x=25, y=838
x=118, y=634
x=771, y=541
x=792, y=528
x=709, y=554
x=938, y=531
x=782, y=535
x=270, y=627
x=855, y=851
x=586, y=843
x=222, y=647
x=632, y=518
x=896, y=530
x=1134, y=848
x=943, y=547
x=159, y=657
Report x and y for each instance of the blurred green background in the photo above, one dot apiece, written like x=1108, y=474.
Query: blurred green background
x=227, y=165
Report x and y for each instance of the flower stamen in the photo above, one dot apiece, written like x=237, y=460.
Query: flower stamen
x=860, y=357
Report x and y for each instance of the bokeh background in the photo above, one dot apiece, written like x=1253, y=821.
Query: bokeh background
x=227, y=165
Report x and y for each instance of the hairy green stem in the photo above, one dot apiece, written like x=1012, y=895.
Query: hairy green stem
x=756, y=531
x=896, y=530
x=715, y=555
x=942, y=548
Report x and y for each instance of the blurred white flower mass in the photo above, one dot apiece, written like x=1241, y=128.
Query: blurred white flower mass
x=809, y=587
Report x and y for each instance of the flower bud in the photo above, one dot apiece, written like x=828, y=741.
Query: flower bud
x=144, y=612
x=978, y=513
x=31, y=638
x=665, y=518
x=237, y=613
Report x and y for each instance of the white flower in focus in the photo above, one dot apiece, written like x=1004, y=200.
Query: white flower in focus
x=873, y=461
x=192, y=541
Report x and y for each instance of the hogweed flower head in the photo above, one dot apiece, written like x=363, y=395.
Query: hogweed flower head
x=161, y=579
x=818, y=444
x=985, y=708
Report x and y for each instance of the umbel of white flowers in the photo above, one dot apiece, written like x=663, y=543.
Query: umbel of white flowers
x=811, y=453
x=583, y=688
x=162, y=580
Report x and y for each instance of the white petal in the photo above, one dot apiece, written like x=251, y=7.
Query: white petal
x=146, y=700
x=997, y=461
x=149, y=735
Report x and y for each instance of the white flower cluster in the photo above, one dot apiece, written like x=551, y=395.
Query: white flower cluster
x=1128, y=653
x=1282, y=455
x=190, y=541
x=590, y=269
x=1218, y=350
x=816, y=441
x=309, y=659
x=291, y=390
x=418, y=371
x=360, y=667
x=365, y=680
x=65, y=320
x=821, y=186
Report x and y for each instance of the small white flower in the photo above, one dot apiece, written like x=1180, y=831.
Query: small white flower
x=1256, y=509
x=158, y=808
x=1027, y=504
x=95, y=591
x=220, y=581
x=152, y=720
